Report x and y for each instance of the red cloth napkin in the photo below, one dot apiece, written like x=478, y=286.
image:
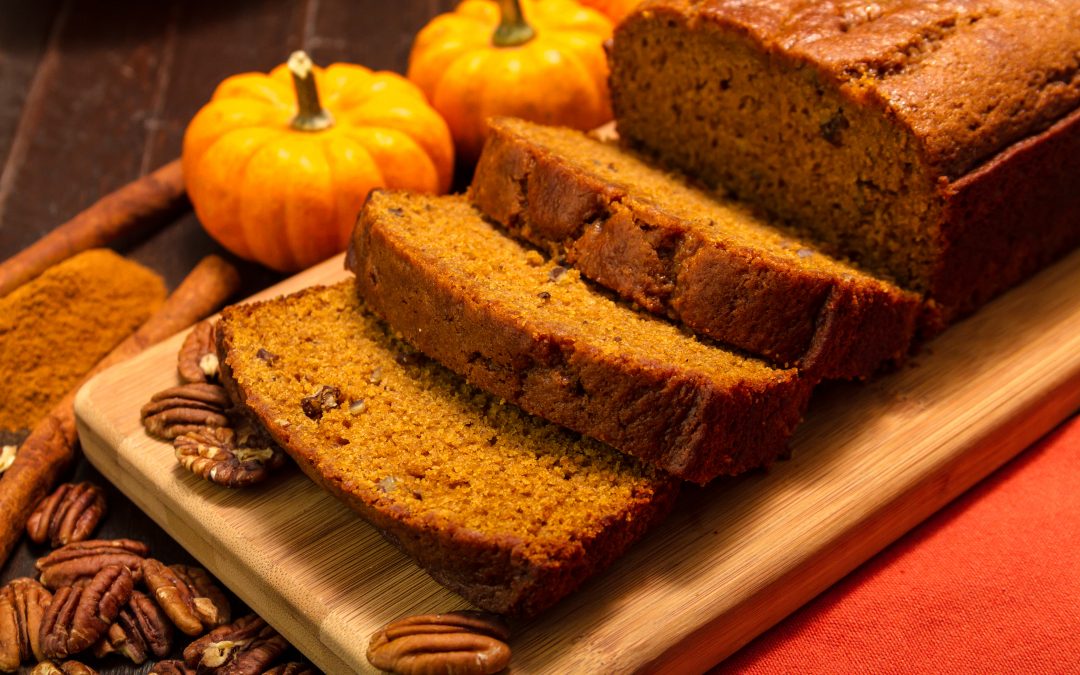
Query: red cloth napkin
x=990, y=584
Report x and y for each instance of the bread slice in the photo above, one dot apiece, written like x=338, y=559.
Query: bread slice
x=534, y=333
x=674, y=249
x=509, y=511
x=936, y=142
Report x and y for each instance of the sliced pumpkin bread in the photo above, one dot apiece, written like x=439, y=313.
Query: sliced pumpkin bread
x=677, y=250
x=532, y=332
x=938, y=142
x=508, y=510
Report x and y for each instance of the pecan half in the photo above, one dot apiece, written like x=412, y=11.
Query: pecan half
x=141, y=630
x=188, y=595
x=82, y=559
x=198, y=359
x=216, y=455
x=324, y=398
x=188, y=407
x=292, y=668
x=69, y=514
x=171, y=667
x=466, y=642
x=65, y=668
x=79, y=615
x=22, y=604
x=267, y=357
x=245, y=647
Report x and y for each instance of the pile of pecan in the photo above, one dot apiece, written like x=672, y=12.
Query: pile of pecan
x=102, y=597
x=211, y=438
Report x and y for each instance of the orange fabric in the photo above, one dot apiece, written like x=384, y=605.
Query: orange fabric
x=990, y=584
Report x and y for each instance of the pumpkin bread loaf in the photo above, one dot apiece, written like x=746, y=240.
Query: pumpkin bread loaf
x=532, y=332
x=936, y=142
x=508, y=510
x=674, y=249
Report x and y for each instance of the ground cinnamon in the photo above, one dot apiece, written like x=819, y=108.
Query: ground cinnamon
x=56, y=327
x=143, y=203
x=49, y=449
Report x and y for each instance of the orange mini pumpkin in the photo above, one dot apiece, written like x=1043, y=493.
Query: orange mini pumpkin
x=542, y=60
x=616, y=10
x=276, y=177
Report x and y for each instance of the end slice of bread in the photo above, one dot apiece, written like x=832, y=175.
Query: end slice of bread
x=509, y=511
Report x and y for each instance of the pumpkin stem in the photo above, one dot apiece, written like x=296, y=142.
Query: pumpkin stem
x=310, y=115
x=513, y=30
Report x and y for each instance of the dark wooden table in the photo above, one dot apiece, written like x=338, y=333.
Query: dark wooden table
x=94, y=94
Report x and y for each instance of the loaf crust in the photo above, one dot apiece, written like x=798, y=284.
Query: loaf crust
x=830, y=322
x=967, y=77
x=694, y=423
x=972, y=105
x=1007, y=219
x=494, y=569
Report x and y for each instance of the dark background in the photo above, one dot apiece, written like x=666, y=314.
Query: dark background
x=94, y=94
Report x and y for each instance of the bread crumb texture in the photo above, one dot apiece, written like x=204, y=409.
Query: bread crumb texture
x=409, y=437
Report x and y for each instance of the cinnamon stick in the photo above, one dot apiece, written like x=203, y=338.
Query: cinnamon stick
x=143, y=203
x=49, y=449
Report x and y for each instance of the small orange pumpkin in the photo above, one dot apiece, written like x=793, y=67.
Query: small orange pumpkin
x=276, y=177
x=542, y=60
x=616, y=10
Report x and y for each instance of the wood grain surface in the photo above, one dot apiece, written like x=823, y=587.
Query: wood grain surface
x=869, y=463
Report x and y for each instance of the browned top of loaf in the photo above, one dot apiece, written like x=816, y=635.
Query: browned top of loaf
x=967, y=77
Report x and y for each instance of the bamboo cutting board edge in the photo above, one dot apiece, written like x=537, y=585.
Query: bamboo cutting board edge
x=984, y=411
x=702, y=649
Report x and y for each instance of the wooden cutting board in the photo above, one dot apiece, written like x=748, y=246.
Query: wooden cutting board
x=869, y=463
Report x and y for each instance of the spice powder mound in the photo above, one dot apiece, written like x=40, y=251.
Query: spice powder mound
x=56, y=327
